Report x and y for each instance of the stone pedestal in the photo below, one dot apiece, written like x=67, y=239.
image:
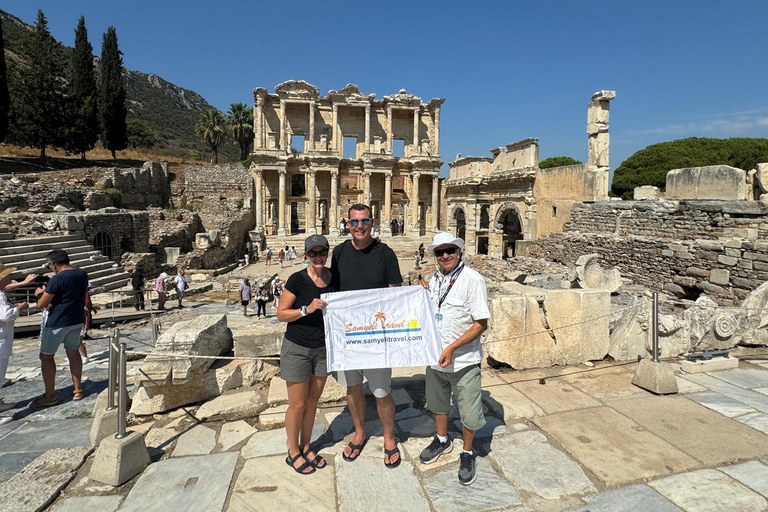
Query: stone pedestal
x=104, y=425
x=118, y=460
x=657, y=378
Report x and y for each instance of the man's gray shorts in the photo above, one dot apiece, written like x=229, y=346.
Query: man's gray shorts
x=379, y=379
x=52, y=337
x=298, y=363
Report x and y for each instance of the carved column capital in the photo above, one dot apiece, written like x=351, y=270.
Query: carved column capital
x=334, y=173
x=388, y=175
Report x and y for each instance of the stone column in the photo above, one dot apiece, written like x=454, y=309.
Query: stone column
x=415, y=204
x=367, y=187
x=436, y=142
x=281, y=205
x=389, y=130
x=333, y=218
x=311, y=140
x=311, y=204
x=435, y=217
x=259, y=201
x=367, y=128
x=386, y=216
x=598, y=143
x=416, y=130
x=335, y=128
x=282, y=124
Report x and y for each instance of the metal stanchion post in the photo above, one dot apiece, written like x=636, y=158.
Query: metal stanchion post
x=122, y=395
x=121, y=299
x=112, y=382
x=655, y=326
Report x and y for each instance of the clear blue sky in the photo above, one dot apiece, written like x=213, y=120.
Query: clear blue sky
x=508, y=69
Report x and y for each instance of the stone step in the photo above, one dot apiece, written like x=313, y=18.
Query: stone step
x=37, y=267
x=23, y=249
x=18, y=257
x=112, y=281
x=45, y=240
x=6, y=235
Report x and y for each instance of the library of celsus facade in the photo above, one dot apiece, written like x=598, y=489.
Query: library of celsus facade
x=314, y=156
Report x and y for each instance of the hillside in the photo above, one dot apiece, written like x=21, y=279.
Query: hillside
x=171, y=111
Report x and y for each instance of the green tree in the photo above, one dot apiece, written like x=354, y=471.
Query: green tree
x=210, y=126
x=240, y=122
x=82, y=112
x=38, y=105
x=557, y=161
x=140, y=134
x=112, y=111
x=5, y=99
x=649, y=166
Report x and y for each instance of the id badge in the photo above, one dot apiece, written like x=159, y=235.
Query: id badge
x=439, y=318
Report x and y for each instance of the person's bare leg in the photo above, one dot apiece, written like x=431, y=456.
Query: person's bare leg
x=48, y=369
x=316, y=385
x=297, y=401
x=75, y=368
x=386, y=409
x=468, y=436
x=441, y=420
x=356, y=405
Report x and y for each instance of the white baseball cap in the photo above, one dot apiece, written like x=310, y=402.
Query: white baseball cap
x=444, y=238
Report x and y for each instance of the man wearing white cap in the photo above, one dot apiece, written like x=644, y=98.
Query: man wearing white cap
x=461, y=308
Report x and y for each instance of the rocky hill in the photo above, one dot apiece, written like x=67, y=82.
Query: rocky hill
x=171, y=111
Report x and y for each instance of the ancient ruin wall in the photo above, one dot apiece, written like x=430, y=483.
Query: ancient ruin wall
x=218, y=192
x=139, y=188
x=682, y=248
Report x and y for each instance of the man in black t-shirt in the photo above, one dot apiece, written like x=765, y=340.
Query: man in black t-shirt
x=363, y=263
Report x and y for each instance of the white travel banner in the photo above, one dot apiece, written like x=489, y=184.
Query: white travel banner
x=380, y=328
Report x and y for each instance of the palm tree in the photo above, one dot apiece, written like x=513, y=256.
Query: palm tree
x=210, y=126
x=240, y=122
x=381, y=317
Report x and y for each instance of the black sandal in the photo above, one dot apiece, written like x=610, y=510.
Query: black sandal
x=300, y=469
x=395, y=450
x=352, y=446
x=318, y=462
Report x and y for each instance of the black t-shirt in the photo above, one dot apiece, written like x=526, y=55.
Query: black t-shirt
x=68, y=289
x=373, y=267
x=307, y=331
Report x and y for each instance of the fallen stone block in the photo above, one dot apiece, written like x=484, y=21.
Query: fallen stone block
x=713, y=365
x=258, y=341
x=245, y=404
x=593, y=277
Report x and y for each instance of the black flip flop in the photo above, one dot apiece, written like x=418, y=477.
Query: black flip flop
x=300, y=469
x=317, y=461
x=353, y=447
x=395, y=450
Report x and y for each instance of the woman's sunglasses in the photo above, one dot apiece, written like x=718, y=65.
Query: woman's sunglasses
x=440, y=252
x=355, y=222
x=321, y=252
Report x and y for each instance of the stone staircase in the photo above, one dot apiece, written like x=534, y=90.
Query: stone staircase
x=404, y=246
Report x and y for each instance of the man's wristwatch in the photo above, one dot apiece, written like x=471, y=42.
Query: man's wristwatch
x=303, y=310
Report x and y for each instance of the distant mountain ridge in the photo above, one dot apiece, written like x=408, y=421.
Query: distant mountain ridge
x=171, y=111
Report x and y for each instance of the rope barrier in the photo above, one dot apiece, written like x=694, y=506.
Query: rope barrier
x=171, y=355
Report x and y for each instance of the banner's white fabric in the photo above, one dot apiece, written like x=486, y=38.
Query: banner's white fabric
x=381, y=328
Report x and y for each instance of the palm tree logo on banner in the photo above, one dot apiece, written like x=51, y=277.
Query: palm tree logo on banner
x=380, y=317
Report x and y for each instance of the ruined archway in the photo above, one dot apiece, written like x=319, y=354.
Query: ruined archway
x=508, y=221
x=460, y=220
x=103, y=243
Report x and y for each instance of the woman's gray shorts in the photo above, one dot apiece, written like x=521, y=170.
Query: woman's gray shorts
x=298, y=364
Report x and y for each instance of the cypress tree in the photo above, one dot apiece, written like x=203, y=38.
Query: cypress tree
x=112, y=111
x=82, y=114
x=39, y=107
x=5, y=99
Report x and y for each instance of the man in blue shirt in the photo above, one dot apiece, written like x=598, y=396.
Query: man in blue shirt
x=64, y=296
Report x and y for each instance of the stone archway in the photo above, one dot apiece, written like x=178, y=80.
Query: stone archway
x=103, y=243
x=509, y=222
x=459, y=219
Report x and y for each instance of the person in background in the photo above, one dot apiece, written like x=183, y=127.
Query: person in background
x=255, y=254
x=416, y=261
x=261, y=301
x=395, y=227
x=88, y=313
x=303, y=364
x=160, y=289
x=281, y=257
x=248, y=250
x=421, y=251
x=293, y=256
x=180, y=283
x=245, y=295
x=269, y=256
x=401, y=225
x=8, y=315
x=137, y=284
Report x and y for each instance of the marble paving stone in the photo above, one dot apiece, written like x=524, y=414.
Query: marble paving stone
x=701, y=433
x=12, y=463
x=160, y=438
x=233, y=433
x=274, y=442
x=614, y=448
x=493, y=427
x=268, y=484
x=413, y=422
x=394, y=489
x=190, y=484
x=755, y=400
x=744, y=377
x=79, y=504
x=607, y=385
x=709, y=490
x=756, y=420
x=245, y=404
x=274, y=416
x=720, y=403
x=533, y=465
x=761, y=390
x=413, y=447
x=402, y=398
x=556, y=396
x=47, y=435
x=504, y=401
x=633, y=498
x=753, y=474
x=339, y=423
x=686, y=386
x=199, y=440
x=488, y=492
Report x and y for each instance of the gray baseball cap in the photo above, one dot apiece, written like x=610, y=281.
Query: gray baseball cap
x=315, y=241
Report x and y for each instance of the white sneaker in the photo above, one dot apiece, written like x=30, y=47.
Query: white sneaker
x=86, y=360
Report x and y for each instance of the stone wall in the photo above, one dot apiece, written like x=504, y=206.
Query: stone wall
x=682, y=248
x=173, y=229
x=218, y=192
x=139, y=188
x=128, y=231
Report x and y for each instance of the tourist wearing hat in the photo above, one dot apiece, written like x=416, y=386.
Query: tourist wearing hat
x=303, y=364
x=162, y=295
x=460, y=301
x=8, y=314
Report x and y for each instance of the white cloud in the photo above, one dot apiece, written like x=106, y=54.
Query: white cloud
x=726, y=124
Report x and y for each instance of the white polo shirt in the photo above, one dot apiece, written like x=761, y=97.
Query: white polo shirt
x=466, y=302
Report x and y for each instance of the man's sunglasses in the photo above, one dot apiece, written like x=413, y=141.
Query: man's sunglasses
x=440, y=252
x=355, y=222
x=321, y=252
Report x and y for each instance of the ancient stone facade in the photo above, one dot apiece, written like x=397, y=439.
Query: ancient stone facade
x=316, y=155
x=499, y=204
x=114, y=232
x=139, y=187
